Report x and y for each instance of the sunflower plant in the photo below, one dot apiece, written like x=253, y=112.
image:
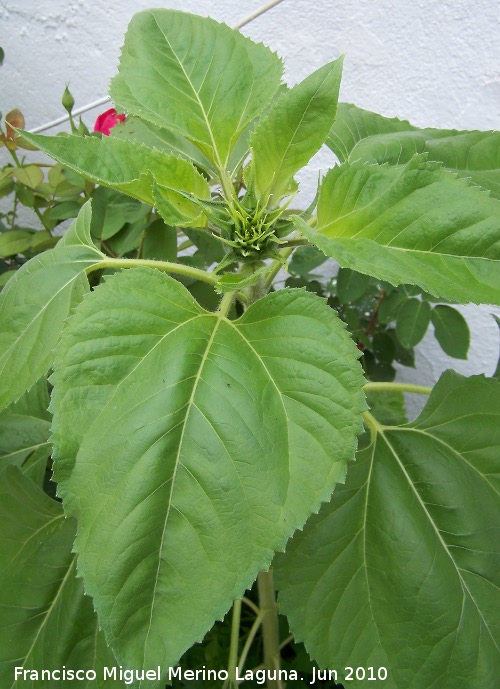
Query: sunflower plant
x=186, y=508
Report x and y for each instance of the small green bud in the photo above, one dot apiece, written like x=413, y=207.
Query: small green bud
x=82, y=128
x=67, y=100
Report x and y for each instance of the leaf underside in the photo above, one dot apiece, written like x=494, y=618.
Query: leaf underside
x=361, y=135
x=131, y=168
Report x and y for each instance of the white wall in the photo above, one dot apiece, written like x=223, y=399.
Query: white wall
x=433, y=62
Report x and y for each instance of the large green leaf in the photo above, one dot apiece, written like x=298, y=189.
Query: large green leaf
x=293, y=131
x=162, y=139
x=35, y=303
x=415, y=224
x=401, y=568
x=365, y=136
x=46, y=621
x=196, y=77
x=131, y=168
x=190, y=447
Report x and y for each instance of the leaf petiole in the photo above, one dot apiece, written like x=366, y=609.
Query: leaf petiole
x=397, y=387
x=165, y=266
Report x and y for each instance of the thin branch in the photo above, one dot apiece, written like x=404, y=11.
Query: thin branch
x=265, y=8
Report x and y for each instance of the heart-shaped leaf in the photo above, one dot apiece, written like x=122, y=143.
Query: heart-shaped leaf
x=403, y=562
x=208, y=440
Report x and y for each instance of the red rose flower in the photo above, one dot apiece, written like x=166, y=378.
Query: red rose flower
x=107, y=120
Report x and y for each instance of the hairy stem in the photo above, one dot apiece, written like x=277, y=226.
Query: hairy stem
x=165, y=266
x=257, y=290
x=226, y=303
x=397, y=387
x=270, y=631
x=294, y=243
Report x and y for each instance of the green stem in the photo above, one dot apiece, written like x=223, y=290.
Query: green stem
x=227, y=185
x=14, y=211
x=399, y=387
x=257, y=290
x=14, y=157
x=270, y=631
x=293, y=243
x=39, y=216
x=251, y=604
x=166, y=266
x=276, y=266
x=226, y=303
x=74, y=128
x=143, y=234
x=233, y=648
x=248, y=643
x=286, y=641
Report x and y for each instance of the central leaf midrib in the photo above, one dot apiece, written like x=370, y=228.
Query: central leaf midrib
x=49, y=610
x=189, y=406
x=406, y=250
x=261, y=361
x=196, y=95
x=464, y=586
x=292, y=137
x=29, y=448
x=365, y=521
